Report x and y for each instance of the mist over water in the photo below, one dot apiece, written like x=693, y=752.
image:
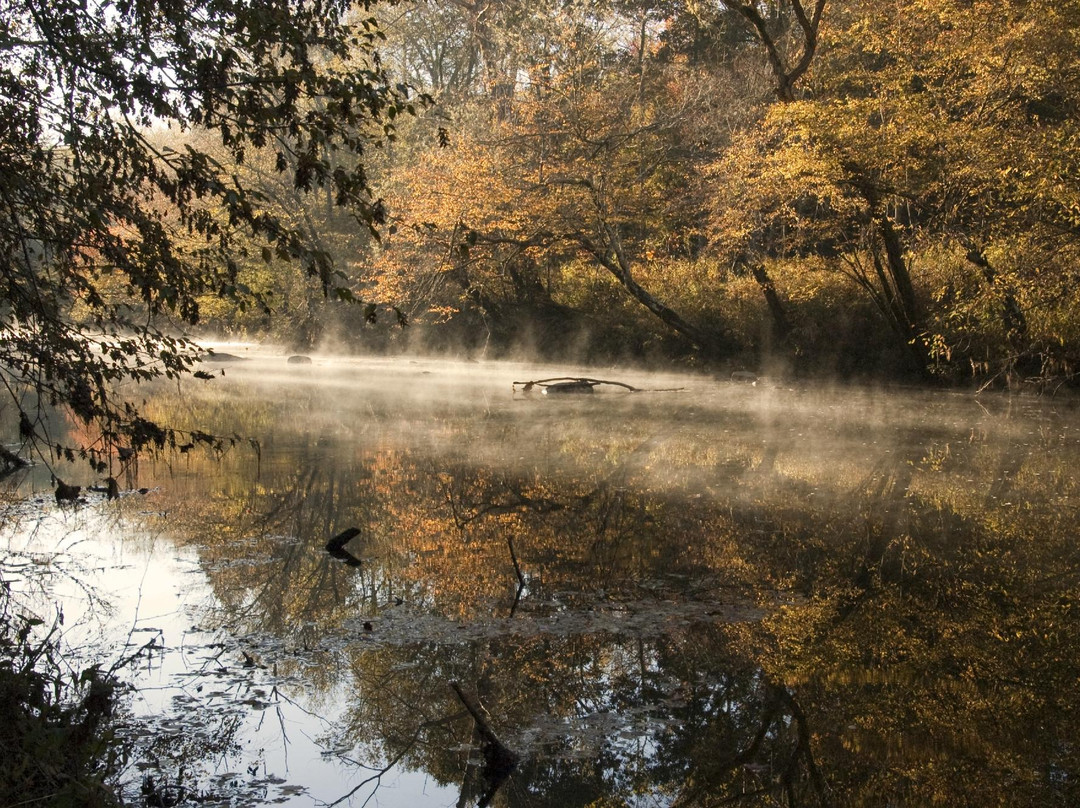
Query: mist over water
x=699, y=592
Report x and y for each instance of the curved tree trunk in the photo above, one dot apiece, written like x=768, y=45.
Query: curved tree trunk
x=612, y=257
x=896, y=282
x=785, y=76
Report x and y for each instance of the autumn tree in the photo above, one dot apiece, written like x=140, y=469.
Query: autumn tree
x=431, y=45
x=646, y=161
x=933, y=137
x=293, y=306
x=591, y=169
x=109, y=238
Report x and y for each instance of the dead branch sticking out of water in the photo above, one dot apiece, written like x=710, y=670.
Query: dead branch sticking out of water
x=520, y=575
x=580, y=384
x=514, y=558
x=339, y=541
x=66, y=493
x=336, y=546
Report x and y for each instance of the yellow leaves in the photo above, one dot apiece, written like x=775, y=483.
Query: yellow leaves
x=441, y=314
x=528, y=191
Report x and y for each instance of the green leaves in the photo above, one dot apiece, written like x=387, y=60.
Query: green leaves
x=111, y=219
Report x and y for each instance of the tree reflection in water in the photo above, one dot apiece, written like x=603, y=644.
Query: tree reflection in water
x=730, y=596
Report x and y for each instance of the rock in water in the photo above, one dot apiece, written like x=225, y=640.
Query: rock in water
x=744, y=377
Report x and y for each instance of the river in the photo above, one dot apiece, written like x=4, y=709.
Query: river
x=699, y=593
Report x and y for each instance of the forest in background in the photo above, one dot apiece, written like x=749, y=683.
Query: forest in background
x=822, y=189
x=837, y=188
x=844, y=188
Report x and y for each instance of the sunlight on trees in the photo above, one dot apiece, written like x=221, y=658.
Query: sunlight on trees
x=913, y=163
x=847, y=187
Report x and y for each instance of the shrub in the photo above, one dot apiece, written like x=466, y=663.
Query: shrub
x=55, y=740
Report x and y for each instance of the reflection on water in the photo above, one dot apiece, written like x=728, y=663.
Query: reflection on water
x=728, y=593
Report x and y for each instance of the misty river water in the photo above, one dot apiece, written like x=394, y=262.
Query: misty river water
x=722, y=593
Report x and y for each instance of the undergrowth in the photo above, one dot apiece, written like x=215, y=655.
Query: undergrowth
x=56, y=739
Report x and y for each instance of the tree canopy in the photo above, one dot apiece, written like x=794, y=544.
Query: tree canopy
x=838, y=187
x=756, y=178
x=123, y=200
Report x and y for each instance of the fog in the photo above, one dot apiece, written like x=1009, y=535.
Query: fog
x=478, y=412
x=627, y=581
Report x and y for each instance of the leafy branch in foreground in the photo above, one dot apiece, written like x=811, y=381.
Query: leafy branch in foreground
x=114, y=221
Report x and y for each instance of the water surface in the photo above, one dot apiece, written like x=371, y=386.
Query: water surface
x=728, y=593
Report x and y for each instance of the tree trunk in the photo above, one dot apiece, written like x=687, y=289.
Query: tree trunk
x=498, y=78
x=901, y=292
x=613, y=258
x=781, y=324
x=1016, y=326
x=785, y=76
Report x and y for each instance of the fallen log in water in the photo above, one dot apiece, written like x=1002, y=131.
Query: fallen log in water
x=579, y=384
x=216, y=356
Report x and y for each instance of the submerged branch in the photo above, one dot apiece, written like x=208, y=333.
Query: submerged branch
x=499, y=759
x=514, y=558
x=520, y=576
